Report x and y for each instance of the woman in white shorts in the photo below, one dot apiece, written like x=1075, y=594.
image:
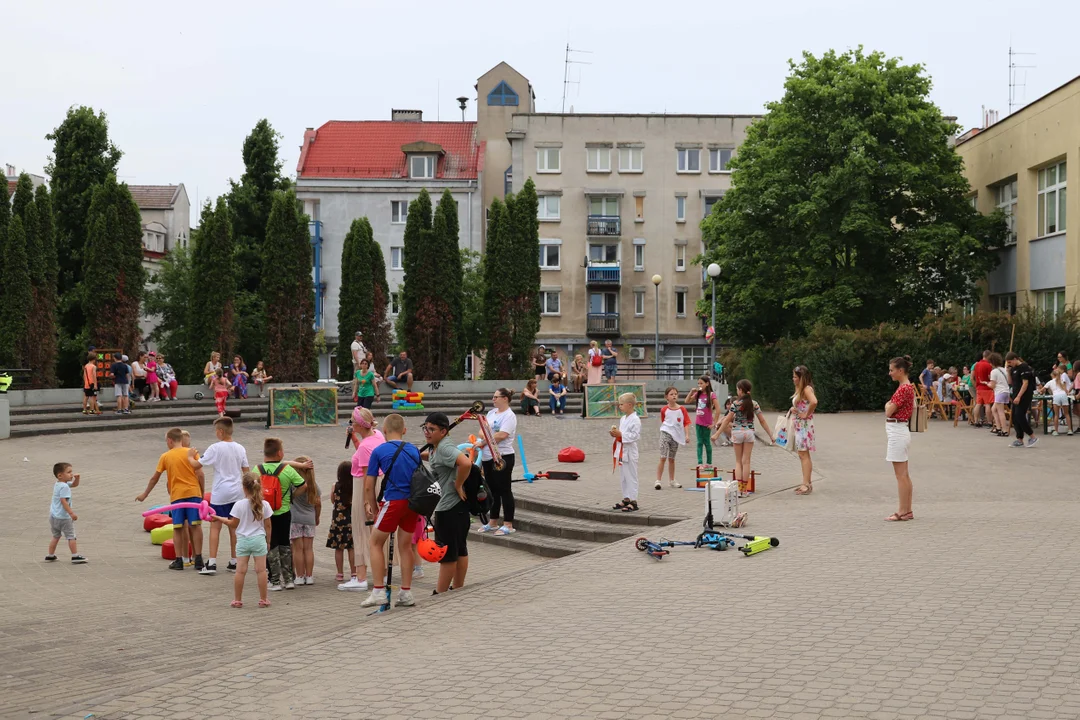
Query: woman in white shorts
x=897, y=414
x=1058, y=387
x=999, y=384
x=740, y=419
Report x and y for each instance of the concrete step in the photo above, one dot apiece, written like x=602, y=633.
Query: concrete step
x=569, y=528
x=535, y=543
x=594, y=515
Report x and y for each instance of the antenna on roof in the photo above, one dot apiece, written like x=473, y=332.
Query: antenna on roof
x=1012, y=76
x=438, y=88
x=567, y=62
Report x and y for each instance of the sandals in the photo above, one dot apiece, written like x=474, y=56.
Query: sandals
x=630, y=506
x=621, y=504
x=897, y=517
x=340, y=577
x=236, y=604
x=264, y=603
x=808, y=489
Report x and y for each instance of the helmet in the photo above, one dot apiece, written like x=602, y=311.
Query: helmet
x=430, y=550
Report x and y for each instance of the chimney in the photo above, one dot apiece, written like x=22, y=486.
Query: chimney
x=10, y=171
x=407, y=115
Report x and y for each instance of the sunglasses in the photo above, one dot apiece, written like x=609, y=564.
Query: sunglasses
x=427, y=429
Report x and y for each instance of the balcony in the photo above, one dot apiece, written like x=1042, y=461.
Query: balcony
x=603, y=275
x=604, y=226
x=602, y=324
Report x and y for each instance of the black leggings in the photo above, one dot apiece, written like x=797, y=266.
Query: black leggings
x=1021, y=419
x=498, y=483
x=279, y=529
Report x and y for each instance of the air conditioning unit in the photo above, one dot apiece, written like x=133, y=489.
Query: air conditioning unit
x=637, y=353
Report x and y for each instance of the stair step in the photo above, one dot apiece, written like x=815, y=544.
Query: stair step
x=594, y=515
x=542, y=545
x=569, y=528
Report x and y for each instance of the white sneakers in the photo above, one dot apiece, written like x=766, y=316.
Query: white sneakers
x=418, y=572
x=405, y=599
x=353, y=585
x=382, y=597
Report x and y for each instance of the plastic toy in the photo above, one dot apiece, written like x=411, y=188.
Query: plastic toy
x=430, y=550
x=206, y=497
x=168, y=550
x=155, y=521
x=729, y=515
x=571, y=455
x=703, y=474
x=707, y=539
x=205, y=513
x=758, y=544
x=550, y=474
x=161, y=534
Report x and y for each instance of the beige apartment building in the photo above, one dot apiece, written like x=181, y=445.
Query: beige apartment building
x=1021, y=165
x=622, y=198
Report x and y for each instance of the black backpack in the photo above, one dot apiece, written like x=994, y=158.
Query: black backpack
x=424, y=491
x=476, y=495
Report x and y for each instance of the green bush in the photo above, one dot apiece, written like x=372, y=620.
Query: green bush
x=850, y=367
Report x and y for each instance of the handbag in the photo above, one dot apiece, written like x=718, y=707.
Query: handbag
x=595, y=360
x=920, y=418
x=784, y=432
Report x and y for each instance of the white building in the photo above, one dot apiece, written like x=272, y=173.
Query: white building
x=166, y=223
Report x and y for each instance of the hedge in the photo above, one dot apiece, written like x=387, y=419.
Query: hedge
x=850, y=367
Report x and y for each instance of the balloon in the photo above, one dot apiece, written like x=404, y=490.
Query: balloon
x=710, y=334
x=470, y=450
x=205, y=513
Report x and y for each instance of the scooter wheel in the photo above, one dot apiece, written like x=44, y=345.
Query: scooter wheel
x=641, y=544
x=199, y=395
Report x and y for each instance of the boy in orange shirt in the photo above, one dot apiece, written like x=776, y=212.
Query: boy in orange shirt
x=90, y=386
x=184, y=486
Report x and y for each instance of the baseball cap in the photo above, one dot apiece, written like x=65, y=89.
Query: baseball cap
x=438, y=419
x=359, y=332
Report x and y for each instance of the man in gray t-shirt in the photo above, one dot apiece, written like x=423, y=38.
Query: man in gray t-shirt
x=451, y=468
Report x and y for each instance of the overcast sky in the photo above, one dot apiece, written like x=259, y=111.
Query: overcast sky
x=182, y=83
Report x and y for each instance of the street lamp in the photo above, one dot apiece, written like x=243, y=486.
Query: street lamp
x=656, y=280
x=714, y=272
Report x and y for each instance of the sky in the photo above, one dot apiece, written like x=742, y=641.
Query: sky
x=183, y=83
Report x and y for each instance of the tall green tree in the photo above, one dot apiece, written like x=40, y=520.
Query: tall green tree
x=499, y=291
x=16, y=296
x=421, y=270
x=377, y=337
x=847, y=206
x=211, y=322
x=525, y=309
x=473, y=335
x=168, y=300
x=47, y=235
x=113, y=276
x=355, y=294
x=445, y=298
x=287, y=293
x=5, y=219
x=41, y=333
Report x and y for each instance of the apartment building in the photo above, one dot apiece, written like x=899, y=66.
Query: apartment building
x=621, y=201
x=165, y=212
x=1021, y=165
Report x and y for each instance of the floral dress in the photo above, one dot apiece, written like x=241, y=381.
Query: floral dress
x=804, y=428
x=340, y=535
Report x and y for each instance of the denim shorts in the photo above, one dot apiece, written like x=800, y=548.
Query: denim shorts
x=191, y=515
x=250, y=546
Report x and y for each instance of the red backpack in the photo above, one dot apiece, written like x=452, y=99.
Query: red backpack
x=271, y=486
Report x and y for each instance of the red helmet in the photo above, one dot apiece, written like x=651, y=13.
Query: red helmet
x=430, y=550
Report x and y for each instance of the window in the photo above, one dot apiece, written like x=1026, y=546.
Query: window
x=395, y=308
x=422, y=167
x=399, y=211
x=639, y=303
x=680, y=258
x=1051, y=212
x=508, y=181
x=598, y=159
x=639, y=209
x=395, y=258
x=549, y=207
x=608, y=206
x=680, y=209
x=719, y=159
x=631, y=160
x=639, y=257
x=603, y=253
x=503, y=94
x=549, y=302
x=710, y=200
x=680, y=303
x=1005, y=199
x=1004, y=303
x=549, y=254
x=603, y=303
x=1052, y=302
x=689, y=160
x=547, y=160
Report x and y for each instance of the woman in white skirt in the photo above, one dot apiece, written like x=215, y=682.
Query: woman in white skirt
x=897, y=414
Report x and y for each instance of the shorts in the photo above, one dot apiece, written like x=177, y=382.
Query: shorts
x=984, y=396
x=740, y=435
x=191, y=515
x=90, y=392
x=668, y=446
x=899, y=440
x=62, y=526
x=250, y=546
x=1061, y=400
x=121, y=390
x=1002, y=398
x=224, y=510
x=452, y=531
x=540, y=372
x=395, y=514
x=300, y=530
x=611, y=370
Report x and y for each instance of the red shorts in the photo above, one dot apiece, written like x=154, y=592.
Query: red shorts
x=394, y=514
x=984, y=396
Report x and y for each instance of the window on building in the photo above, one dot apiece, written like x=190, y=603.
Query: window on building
x=422, y=167
x=1052, y=302
x=548, y=208
x=399, y=211
x=549, y=254
x=639, y=208
x=508, y=180
x=503, y=94
x=603, y=303
x=639, y=303
x=680, y=258
x=680, y=209
x=604, y=253
x=1004, y=303
x=608, y=206
x=395, y=299
x=680, y=303
x=639, y=257
x=631, y=160
x=709, y=202
x=689, y=160
x=719, y=159
x=549, y=302
x=1005, y=197
x=395, y=258
x=598, y=159
x=1051, y=210
x=547, y=160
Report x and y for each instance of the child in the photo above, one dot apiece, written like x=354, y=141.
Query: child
x=184, y=486
x=626, y=451
x=366, y=390
x=340, y=537
x=119, y=372
x=1059, y=388
x=152, y=380
x=259, y=376
x=557, y=400
x=706, y=401
x=250, y=520
x=61, y=517
x=306, y=509
x=90, y=386
x=280, y=555
x=230, y=461
x=674, y=426
x=220, y=387
x=740, y=418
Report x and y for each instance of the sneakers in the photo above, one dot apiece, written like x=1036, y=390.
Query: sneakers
x=1016, y=443
x=231, y=567
x=1031, y=441
x=1055, y=434
x=674, y=485
x=78, y=560
x=486, y=528
x=309, y=580
x=290, y=586
x=50, y=558
x=658, y=486
x=353, y=585
x=377, y=597
x=176, y=564
x=199, y=563
x=405, y=599
x=274, y=588
x=418, y=572
x=1069, y=433
x=209, y=569
x=504, y=530
x=188, y=562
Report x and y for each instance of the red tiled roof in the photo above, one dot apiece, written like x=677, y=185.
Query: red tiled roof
x=372, y=149
x=154, y=197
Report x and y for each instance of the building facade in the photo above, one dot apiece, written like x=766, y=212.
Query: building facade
x=165, y=212
x=1022, y=165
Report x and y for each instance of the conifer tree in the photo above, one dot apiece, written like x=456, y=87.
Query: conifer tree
x=526, y=251
x=287, y=293
x=355, y=294
x=212, y=314
x=499, y=291
x=45, y=331
x=377, y=336
x=16, y=296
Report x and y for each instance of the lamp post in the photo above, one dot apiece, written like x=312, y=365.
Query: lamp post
x=656, y=280
x=714, y=272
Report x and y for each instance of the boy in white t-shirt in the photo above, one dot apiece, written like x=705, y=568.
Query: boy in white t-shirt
x=626, y=451
x=230, y=462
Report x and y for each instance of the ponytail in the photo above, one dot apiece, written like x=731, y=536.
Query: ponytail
x=253, y=492
x=746, y=402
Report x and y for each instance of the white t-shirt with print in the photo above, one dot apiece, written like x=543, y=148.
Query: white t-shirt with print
x=505, y=421
x=248, y=525
x=999, y=380
x=228, y=460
